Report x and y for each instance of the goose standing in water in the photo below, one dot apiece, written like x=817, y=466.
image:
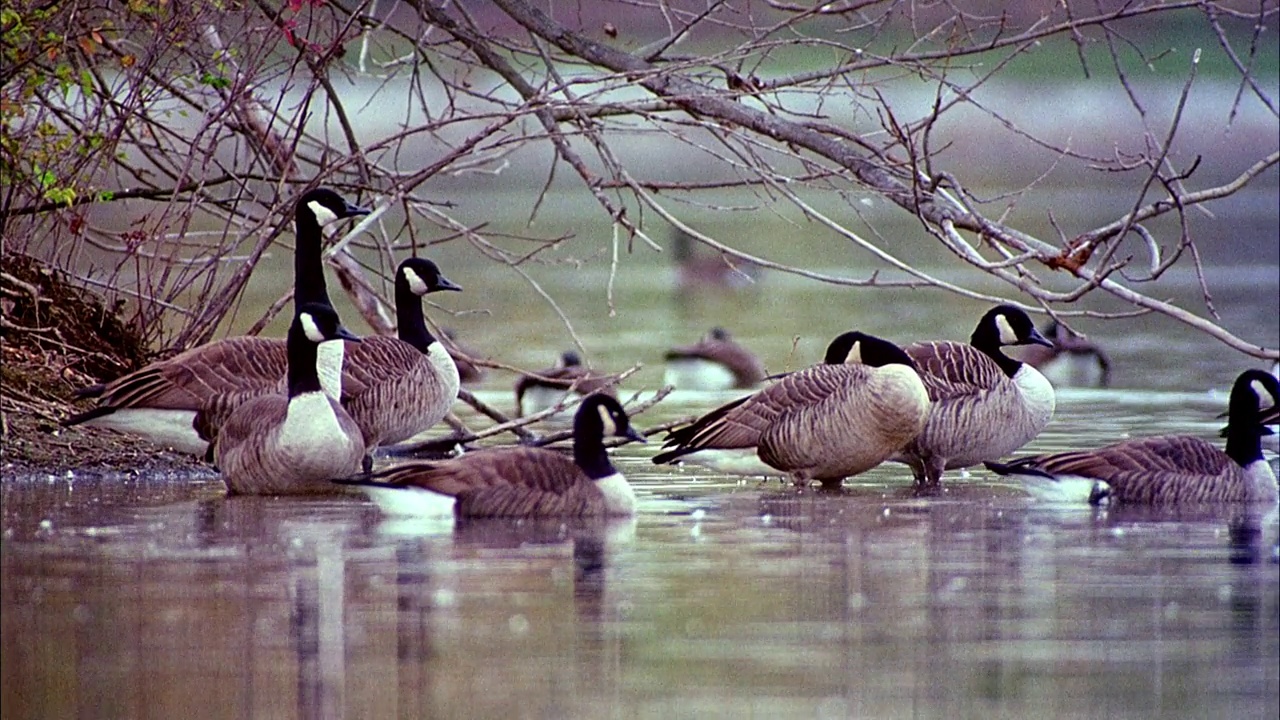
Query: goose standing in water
x=1168, y=469
x=518, y=482
x=180, y=402
x=293, y=444
x=1072, y=361
x=826, y=422
x=985, y=404
x=716, y=362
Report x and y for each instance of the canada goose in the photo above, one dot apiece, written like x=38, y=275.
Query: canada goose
x=984, y=403
x=1169, y=469
x=694, y=270
x=469, y=372
x=292, y=444
x=521, y=482
x=826, y=422
x=179, y=402
x=716, y=362
x=1073, y=361
x=540, y=390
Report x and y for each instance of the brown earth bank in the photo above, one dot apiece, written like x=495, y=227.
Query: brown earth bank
x=54, y=339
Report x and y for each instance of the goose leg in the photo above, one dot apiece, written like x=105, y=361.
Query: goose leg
x=933, y=468
x=366, y=463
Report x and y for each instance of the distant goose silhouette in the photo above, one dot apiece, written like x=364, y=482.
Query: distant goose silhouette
x=545, y=388
x=519, y=482
x=694, y=270
x=1169, y=469
x=716, y=362
x=1072, y=361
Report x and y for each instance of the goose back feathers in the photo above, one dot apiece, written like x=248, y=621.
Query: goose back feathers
x=826, y=422
x=520, y=482
x=1170, y=469
x=292, y=444
x=984, y=403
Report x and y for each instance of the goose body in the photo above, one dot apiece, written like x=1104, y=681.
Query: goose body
x=715, y=362
x=520, y=482
x=546, y=388
x=1173, y=469
x=984, y=403
x=826, y=422
x=1073, y=361
x=179, y=402
x=293, y=444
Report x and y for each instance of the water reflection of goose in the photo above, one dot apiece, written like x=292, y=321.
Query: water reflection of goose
x=1168, y=469
x=520, y=482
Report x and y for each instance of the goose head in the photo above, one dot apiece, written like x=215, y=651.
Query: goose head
x=1006, y=325
x=319, y=323
x=422, y=276
x=324, y=206
x=600, y=416
x=861, y=348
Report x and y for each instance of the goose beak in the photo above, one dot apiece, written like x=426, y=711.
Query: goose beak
x=444, y=283
x=355, y=210
x=634, y=434
x=1035, y=338
x=346, y=334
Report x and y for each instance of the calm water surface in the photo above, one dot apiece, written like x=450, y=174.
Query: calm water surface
x=724, y=597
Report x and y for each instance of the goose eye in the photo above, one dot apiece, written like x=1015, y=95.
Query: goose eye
x=323, y=214
x=310, y=329
x=1008, y=336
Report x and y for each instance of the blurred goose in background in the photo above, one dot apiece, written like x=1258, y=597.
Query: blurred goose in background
x=1168, y=469
x=826, y=422
x=1073, y=361
x=545, y=388
x=716, y=362
x=179, y=402
x=469, y=373
x=985, y=404
x=695, y=270
x=518, y=482
x=294, y=444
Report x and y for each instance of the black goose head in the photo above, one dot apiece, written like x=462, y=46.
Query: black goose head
x=569, y=358
x=313, y=323
x=599, y=415
x=1254, y=404
x=1006, y=325
x=421, y=276
x=861, y=348
x=718, y=334
x=313, y=211
x=323, y=206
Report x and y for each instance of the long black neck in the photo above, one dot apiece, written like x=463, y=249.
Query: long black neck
x=1244, y=432
x=987, y=339
x=410, y=324
x=588, y=445
x=302, y=352
x=308, y=270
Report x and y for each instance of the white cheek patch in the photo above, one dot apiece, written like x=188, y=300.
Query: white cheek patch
x=855, y=354
x=606, y=421
x=416, y=284
x=1261, y=391
x=323, y=214
x=310, y=328
x=1007, y=334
